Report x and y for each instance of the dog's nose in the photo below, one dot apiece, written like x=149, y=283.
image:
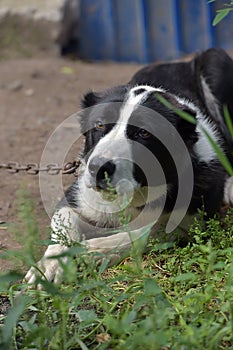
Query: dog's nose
x=102, y=169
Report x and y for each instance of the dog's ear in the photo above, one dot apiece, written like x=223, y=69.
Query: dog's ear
x=91, y=98
x=113, y=94
x=214, y=69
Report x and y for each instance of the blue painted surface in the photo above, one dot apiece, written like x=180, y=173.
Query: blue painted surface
x=148, y=30
x=196, y=25
x=97, y=32
x=163, y=29
x=130, y=30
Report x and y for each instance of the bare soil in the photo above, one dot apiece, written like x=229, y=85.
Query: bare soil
x=36, y=95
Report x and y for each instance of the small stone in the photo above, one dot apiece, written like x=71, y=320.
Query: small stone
x=15, y=85
x=36, y=74
x=29, y=92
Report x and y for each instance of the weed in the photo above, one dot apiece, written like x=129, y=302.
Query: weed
x=174, y=298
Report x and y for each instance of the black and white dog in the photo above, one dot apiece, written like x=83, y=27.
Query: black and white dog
x=143, y=161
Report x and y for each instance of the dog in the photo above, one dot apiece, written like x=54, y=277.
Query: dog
x=145, y=162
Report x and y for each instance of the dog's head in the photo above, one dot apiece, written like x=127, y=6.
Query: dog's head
x=132, y=138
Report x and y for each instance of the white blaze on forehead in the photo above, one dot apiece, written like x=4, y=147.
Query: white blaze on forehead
x=132, y=101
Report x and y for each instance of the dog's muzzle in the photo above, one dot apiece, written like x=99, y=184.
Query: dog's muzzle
x=102, y=171
x=103, y=174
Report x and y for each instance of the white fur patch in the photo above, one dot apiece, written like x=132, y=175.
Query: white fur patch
x=64, y=225
x=210, y=100
x=228, y=191
x=202, y=147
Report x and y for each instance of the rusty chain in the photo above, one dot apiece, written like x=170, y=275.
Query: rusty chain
x=35, y=168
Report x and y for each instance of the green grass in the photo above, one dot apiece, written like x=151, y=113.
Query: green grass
x=223, y=12
x=172, y=298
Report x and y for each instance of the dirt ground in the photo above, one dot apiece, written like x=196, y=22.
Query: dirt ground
x=36, y=95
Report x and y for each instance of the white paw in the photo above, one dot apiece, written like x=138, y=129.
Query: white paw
x=47, y=268
x=228, y=191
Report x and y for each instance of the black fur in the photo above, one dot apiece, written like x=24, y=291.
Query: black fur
x=183, y=79
x=207, y=83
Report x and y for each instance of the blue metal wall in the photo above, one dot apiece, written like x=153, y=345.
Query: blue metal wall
x=147, y=30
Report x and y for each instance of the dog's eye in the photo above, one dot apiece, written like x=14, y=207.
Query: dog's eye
x=143, y=133
x=99, y=125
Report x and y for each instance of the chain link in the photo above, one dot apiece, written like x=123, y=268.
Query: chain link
x=35, y=168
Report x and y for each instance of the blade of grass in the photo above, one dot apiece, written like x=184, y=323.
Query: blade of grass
x=221, y=14
x=12, y=319
x=219, y=152
x=221, y=156
x=181, y=113
x=228, y=120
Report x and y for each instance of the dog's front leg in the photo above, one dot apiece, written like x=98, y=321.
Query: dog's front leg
x=48, y=268
x=117, y=246
x=64, y=226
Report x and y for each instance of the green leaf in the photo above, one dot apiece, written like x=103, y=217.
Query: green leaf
x=220, y=15
x=12, y=318
x=222, y=157
x=151, y=288
x=186, y=116
x=184, y=277
x=228, y=120
x=87, y=316
x=81, y=344
x=50, y=287
x=8, y=278
x=129, y=317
